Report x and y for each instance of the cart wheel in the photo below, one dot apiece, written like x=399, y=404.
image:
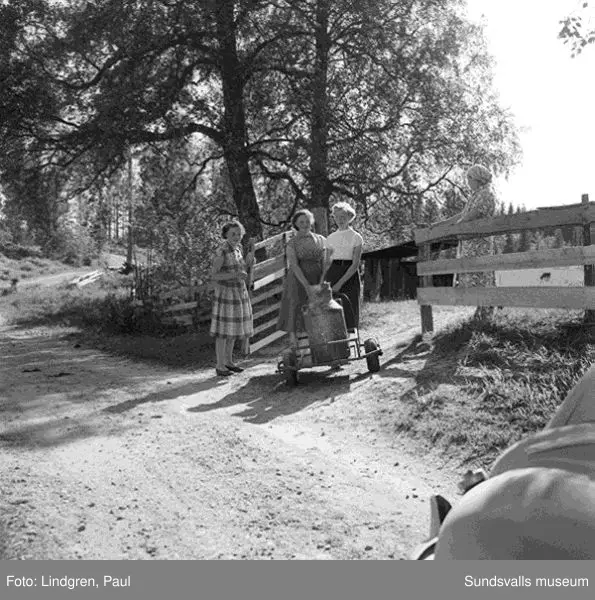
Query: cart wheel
x=290, y=363
x=291, y=377
x=374, y=360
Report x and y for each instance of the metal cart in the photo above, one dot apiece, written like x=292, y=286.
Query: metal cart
x=293, y=360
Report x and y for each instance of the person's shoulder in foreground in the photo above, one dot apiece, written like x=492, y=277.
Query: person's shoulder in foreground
x=539, y=503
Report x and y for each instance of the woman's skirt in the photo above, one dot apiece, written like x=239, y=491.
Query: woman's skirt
x=231, y=315
x=474, y=248
x=295, y=297
x=351, y=288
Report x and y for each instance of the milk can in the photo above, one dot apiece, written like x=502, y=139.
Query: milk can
x=325, y=322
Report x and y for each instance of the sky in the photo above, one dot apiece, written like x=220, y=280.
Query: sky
x=549, y=93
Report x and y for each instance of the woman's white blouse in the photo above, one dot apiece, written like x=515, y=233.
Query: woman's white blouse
x=343, y=243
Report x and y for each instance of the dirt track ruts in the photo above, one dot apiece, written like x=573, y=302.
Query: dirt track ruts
x=105, y=458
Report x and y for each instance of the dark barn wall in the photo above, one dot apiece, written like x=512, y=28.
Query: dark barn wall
x=391, y=273
x=389, y=279
x=393, y=279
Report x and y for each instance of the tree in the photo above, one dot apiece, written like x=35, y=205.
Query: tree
x=526, y=238
x=558, y=239
x=408, y=103
x=151, y=72
x=509, y=245
x=379, y=101
x=577, y=29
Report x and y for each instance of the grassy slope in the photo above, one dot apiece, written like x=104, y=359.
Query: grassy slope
x=28, y=268
x=484, y=385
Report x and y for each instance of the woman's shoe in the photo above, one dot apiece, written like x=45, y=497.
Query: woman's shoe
x=234, y=368
x=223, y=372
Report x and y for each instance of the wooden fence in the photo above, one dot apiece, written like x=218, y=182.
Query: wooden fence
x=190, y=306
x=582, y=214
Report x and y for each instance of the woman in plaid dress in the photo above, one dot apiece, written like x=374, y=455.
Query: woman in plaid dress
x=231, y=316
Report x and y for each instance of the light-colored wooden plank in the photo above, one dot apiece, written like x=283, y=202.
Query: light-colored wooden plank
x=180, y=307
x=183, y=291
x=184, y=319
x=560, y=257
x=267, y=310
x=265, y=326
x=178, y=320
x=268, y=266
x=273, y=239
x=559, y=206
x=522, y=297
x=264, y=295
x=266, y=341
x=535, y=219
x=269, y=279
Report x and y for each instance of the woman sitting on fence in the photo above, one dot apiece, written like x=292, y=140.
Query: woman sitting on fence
x=231, y=317
x=307, y=259
x=345, y=245
x=480, y=205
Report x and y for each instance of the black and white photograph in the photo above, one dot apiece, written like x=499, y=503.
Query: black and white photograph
x=296, y=280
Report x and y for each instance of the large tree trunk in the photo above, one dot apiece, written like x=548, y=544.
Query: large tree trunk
x=234, y=121
x=319, y=181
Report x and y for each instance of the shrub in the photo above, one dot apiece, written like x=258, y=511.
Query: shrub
x=72, y=244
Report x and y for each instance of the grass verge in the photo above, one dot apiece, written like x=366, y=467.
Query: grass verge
x=486, y=384
x=102, y=316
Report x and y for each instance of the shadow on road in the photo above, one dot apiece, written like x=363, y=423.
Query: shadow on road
x=54, y=432
x=168, y=394
x=267, y=397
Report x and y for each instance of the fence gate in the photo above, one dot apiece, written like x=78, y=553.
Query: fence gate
x=190, y=306
x=269, y=276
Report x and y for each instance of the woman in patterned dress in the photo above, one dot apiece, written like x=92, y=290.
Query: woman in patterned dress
x=231, y=317
x=480, y=205
x=308, y=260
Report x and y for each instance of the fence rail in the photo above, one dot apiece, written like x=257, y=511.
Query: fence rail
x=563, y=257
x=190, y=306
x=544, y=218
x=526, y=297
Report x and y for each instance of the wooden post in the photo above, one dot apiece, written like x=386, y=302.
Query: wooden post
x=589, y=269
x=249, y=283
x=377, y=280
x=427, y=319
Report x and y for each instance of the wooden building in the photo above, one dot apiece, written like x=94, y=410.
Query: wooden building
x=390, y=273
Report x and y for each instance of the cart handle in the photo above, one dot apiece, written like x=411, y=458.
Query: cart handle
x=342, y=298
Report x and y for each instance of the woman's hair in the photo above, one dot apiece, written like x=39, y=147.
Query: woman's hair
x=480, y=173
x=345, y=207
x=304, y=212
x=232, y=225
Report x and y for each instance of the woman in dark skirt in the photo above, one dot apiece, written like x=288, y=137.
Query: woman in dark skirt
x=345, y=246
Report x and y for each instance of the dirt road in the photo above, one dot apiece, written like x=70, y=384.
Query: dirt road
x=104, y=458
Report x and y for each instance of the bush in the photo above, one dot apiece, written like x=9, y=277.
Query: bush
x=72, y=244
x=18, y=252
